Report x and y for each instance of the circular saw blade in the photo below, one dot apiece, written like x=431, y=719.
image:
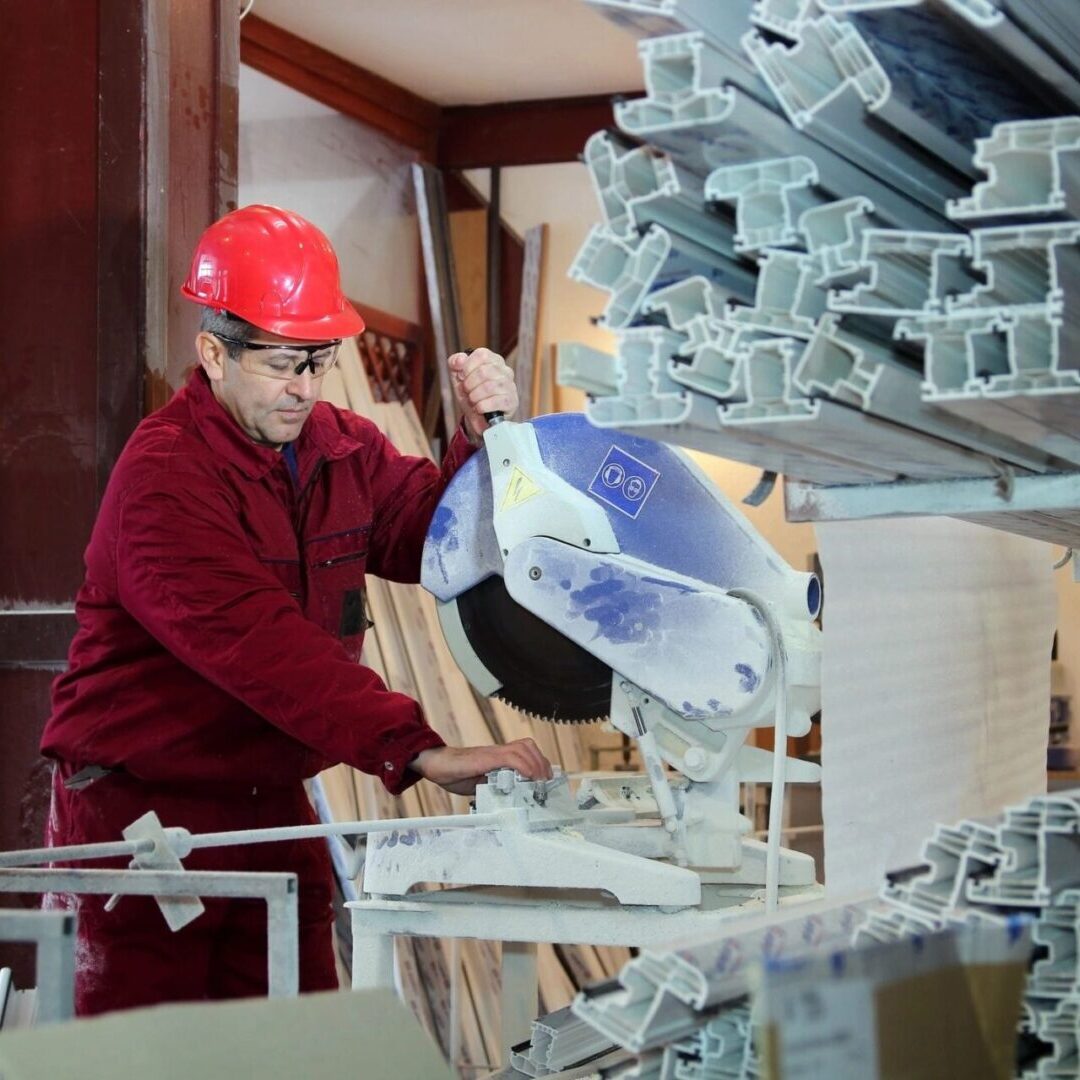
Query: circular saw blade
x=540, y=671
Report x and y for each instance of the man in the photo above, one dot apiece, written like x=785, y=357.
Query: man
x=222, y=616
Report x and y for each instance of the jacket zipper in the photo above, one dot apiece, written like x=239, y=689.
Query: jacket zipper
x=298, y=516
x=353, y=556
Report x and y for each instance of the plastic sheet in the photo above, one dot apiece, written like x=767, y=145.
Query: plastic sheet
x=935, y=684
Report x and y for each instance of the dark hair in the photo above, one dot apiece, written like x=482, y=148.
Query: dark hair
x=220, y=321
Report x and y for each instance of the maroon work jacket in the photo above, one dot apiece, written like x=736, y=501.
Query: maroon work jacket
x=222, y=614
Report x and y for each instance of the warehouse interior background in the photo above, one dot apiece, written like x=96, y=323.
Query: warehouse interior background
x=356, y=181
x=180, y=112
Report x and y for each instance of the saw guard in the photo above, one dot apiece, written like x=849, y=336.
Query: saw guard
x=660, y=513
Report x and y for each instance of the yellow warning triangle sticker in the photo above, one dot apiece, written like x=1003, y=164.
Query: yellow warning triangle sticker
x=519, y=490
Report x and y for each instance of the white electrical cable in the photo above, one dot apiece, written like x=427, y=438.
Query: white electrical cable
x=454, y=1049
x=780, y=737
x=247, y=7
x=779, y=777
x=6, y=990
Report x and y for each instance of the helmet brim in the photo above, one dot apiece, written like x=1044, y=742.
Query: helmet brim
x=341, y=324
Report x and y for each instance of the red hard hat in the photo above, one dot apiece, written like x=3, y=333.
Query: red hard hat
x=275, y=270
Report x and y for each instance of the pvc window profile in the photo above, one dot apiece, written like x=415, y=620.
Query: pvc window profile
x=641, y=186
x=833, y=235
x=787, y=301
x=661, y=998
x=855, y=369
x=764, y=373
x=585, y=368
x=664, y=17
x=711, y=366
x=768, y=196
x=1023, y=266
x=646, y=395
x=907, y=273
x=697, y=111
x=1004, y=26
x=830, y=84
x=630, y=270
x=683, y=303
x=784, y=17
x=1032, y=167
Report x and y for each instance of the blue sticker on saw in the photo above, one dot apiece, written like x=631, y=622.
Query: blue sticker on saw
x=624, y=482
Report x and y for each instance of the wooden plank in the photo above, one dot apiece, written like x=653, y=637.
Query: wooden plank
x=340, y=793
x=532, y=280
x=407, y=647
x=545, y=395
x=440, y=280
x=493, y=261
x=468, y=235
x=557, y=989
x=382, y=322
x=570, y=749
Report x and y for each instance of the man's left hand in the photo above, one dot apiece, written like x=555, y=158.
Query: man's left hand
x=483, y=383
x=460, y=769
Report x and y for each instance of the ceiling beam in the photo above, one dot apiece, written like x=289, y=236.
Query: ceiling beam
x=455, y=137
x=352, y=90
x=521, y=132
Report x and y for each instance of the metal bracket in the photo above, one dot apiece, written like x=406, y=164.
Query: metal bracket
x=53, y=935
x=178, y=910
x=1039, y=506
x=762, y=490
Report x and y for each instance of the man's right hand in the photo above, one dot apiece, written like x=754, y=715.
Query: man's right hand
x=460, y=769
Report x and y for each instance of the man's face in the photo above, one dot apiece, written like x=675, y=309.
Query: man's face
x=270, y=411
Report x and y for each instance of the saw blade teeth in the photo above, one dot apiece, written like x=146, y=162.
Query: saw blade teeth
x=536, y=669
x=550, y=719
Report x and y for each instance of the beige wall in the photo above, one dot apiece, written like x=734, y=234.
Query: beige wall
x=561, y=197
x=1069, y=642
x=352, y=182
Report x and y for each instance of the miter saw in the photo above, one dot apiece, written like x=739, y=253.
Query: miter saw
x=583, y=574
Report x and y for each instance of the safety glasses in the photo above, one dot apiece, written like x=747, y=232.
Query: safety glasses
x=285, y=361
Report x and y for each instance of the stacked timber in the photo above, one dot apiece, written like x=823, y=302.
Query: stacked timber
x=406, y=647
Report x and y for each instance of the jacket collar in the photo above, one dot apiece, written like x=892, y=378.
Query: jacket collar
x=320, y=437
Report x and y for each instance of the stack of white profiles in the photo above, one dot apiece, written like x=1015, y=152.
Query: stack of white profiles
x=690, y=1012
x=838, y=238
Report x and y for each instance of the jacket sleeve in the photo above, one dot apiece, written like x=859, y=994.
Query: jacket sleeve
x=186, y=571
x=405, y=491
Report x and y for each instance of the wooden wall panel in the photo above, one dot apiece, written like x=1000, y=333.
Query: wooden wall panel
x=203, y=40
x=108, y=176
x=48, y=185
x=48, y=192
